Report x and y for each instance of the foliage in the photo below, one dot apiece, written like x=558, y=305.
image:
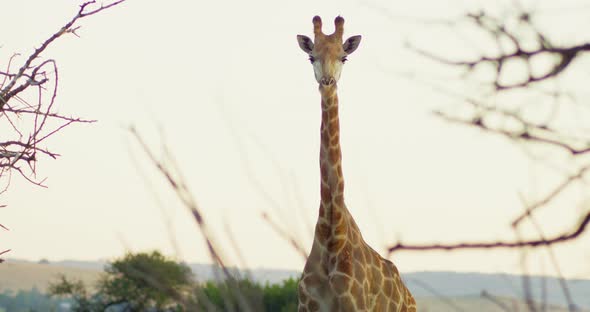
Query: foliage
x=281, y=298
x=142, y=281
x=210, y=296
x=146, y=280
x=76, y=291
x=25, y=301
x=226, y=296
x=150, y=281
x=241, y=295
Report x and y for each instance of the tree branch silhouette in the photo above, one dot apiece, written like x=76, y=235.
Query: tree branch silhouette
x=39, y=82
x=28, y=106
x=512, y=48
x=516, y=39
x=562, y=238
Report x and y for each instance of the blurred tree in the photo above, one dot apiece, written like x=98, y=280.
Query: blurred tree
x=226, y=296
x=146, y=280
x=152, y=282
x=140, y=281
x=223, y=296
x=26, y=301
x=76, y=291
x=281, y=297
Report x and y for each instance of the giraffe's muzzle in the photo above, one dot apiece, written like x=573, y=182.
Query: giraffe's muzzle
x=327, y=81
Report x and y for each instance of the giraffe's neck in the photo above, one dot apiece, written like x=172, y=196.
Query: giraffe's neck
x=332, y=183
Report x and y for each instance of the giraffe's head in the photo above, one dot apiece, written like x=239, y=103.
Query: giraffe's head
x=327, y=53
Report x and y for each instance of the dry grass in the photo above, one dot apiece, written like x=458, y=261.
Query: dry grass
x=24, y=276
x=478, y=304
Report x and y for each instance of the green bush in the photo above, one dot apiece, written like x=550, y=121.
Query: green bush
x=226, y=296
x=142, y=281
x=26, y=301
x=151, y=281
x=281, y=298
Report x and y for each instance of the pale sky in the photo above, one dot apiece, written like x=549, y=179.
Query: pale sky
x=239, y=108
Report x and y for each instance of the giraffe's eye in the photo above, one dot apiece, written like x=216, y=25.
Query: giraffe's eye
x=344, y=59
x=311, y=59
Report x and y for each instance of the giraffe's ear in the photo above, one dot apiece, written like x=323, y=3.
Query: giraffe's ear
x=351, y=44
x=305, y=43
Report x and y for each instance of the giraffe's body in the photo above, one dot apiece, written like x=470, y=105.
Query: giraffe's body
x=342, y=273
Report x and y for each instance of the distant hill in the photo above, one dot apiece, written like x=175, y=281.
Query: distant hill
x=442, y=290
x=23, y=275
x=479, y=304
x=453, y=285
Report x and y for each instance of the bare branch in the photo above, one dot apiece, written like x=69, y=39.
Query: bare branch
x=30, y=130
x=28, y=123
x=499, y=31
x=173, y=175
x=7, y=92
x=525, y=135
x=102, y=7
x=562, y=282
x=3, y=252
x=550, y=196
x=185, y=196
x=562, y=238
x=53, y=115
x=292, y=240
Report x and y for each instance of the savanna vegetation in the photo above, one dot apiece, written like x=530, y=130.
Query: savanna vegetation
x=26, y=301
x=153, y=282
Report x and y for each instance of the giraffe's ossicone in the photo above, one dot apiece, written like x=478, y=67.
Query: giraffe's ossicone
x=342, y=273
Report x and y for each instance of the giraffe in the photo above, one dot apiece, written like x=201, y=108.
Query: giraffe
x=342, y=273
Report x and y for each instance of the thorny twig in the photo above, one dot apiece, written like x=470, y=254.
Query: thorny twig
x=30, y=80
x=35, y=79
